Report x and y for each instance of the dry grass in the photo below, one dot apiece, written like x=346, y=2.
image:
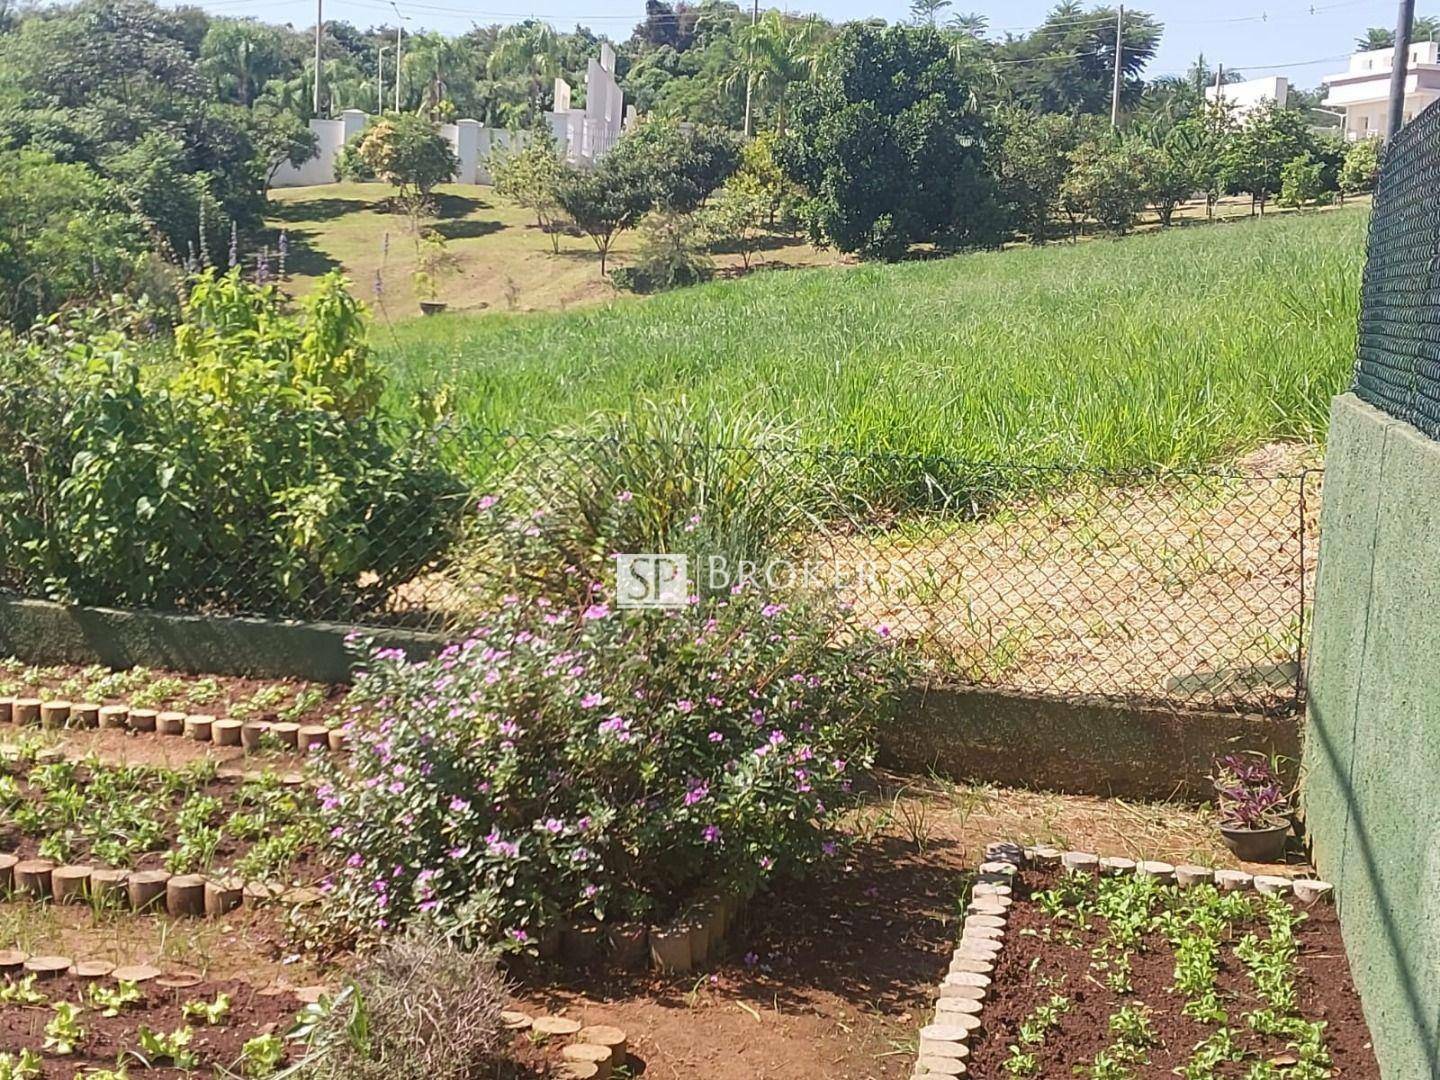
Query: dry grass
x=1188, y=588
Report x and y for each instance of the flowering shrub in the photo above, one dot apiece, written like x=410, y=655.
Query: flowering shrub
x=568, y=762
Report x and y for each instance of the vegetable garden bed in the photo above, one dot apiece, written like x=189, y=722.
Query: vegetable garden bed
x=1123, y=976
x=185, y=821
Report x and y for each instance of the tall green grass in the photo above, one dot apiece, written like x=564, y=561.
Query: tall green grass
x=1178, y=348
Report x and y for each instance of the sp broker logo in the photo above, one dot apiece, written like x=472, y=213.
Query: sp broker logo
x=652, y=580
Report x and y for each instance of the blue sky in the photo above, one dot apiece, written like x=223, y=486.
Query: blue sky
x=1257, y=36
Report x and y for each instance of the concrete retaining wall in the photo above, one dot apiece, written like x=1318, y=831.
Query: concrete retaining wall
x=40, y=632
x=1372, y=746
x=1078, y=747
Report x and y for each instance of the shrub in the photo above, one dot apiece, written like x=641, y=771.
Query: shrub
x=245, y=468
x=1361, y=169
x=418, y=1008
x=1301, y=181
x=404, y=150
x=672, y=254
x=890, y=146
x=567, y=761
x=530, y=176
x=1104, y=183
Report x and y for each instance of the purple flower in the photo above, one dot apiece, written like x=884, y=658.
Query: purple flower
x=487, y=501
x=716, y=737
x=590, y=701
x=711, y=834
x=698, y=792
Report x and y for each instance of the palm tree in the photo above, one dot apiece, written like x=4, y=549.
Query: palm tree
x=774, y=53
x=432, y=61
x=927, y=12
x=1424, y=28
x=529, y=49
x=971, y=23
x=238, y=53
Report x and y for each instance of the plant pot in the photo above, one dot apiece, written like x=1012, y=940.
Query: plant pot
x=433, y=307
x=1257, y=845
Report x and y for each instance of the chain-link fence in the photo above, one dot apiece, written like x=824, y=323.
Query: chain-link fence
x=1398, y=364
x=1185, y=588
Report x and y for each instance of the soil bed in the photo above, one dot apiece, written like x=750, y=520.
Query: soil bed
x=239, y=816
x=1046, y=956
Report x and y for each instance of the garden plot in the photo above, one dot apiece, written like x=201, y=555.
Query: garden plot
x=140, y=818
x=222, y=696
x=1125, y=975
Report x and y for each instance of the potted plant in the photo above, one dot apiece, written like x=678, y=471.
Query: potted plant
x=1254, y=807
x=433, y=261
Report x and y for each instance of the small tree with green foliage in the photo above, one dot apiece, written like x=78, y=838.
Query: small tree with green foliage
x=604, y=201
x=735, y=219
x=1033, y=160
x=280, y=138
x=1302, y=182
x=1360, y=170
x=1255, y=155
x=530, y=177
x=406, y=151
x=1104, y=184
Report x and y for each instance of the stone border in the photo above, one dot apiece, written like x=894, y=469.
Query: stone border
x=17, y=962
x=143, y=891
x=594, y=1051
x=960, y=998
x=59, y=715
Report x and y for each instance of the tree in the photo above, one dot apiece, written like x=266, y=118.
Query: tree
x=280, y=138
x=239, y=54
x=1102, y=183
x=529, y=50
x=970, y=23
x=65, y=233
x=530, y=177
x=735, y=220
x=604, y=201
x=1260, y=148
x=1033, y=161
x=1361, y=169
x=406, y=151
x=1068, y=62
x=1423, y=28
x=889, y=145
x=433, y=62
x=679, y=170
x=1301, y=181
x=1167, y=176
x=774, y=54
x=927, y=12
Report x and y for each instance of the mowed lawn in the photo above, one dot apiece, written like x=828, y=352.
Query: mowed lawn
x=500, y=259
x=1187, y=346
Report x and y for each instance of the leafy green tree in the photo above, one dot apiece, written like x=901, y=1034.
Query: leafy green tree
x=1423, y=28
x=529, y=50
x=1068, y=62
x=773, y=55
x=530, y=177
x=238, y=55
x=65, y=234
x=735, y=220
x=927, y=12
x=1270, y=138
x=1361, y=169
x=889, y=145
x=406, y=151
x=679, y=169
x=606, y=200
x=1301, y=181
x=280, y=138
x=1102, y=183
x=1033, y=161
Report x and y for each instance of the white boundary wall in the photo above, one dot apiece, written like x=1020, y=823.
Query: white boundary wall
x=583, y=135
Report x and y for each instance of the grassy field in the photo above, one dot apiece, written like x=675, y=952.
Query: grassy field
x=502, y=261
x=1188, y=346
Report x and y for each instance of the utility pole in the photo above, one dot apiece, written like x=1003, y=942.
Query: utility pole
x=1400, y=68
x=380, y=79
x=319, y=27
x=1119, y=56
x=399, y=45
x=750, y=61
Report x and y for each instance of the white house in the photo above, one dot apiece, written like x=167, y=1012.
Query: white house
x=1245, y=97
x=1363, y=92
x=584, y=135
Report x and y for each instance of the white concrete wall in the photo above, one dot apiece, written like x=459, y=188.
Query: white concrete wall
x=332, y=135
x=584, y=135
x=1249, y=95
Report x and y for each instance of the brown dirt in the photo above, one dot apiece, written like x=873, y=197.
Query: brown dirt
x=1187, y=590
x=1031, y=970
x=834, y=977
